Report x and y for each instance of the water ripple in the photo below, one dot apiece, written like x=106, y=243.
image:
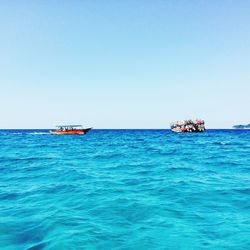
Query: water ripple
x=125, y=189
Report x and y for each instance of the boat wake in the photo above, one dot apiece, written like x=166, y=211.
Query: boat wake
x=39, y=133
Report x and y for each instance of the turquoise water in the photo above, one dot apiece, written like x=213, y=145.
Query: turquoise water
x=125, y=189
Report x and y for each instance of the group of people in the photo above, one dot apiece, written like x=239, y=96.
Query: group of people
x=66, y=128
x=188, y=126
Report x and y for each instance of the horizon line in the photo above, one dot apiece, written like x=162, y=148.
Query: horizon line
x=116, y=128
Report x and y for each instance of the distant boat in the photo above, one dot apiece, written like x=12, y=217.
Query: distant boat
x=70, y=130
x=242, y=126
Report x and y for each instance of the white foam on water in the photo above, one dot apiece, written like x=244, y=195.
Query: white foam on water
x=39, y=133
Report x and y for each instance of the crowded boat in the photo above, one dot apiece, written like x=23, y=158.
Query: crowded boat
x=188, y=126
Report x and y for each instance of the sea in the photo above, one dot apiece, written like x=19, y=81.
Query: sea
x=125, y=189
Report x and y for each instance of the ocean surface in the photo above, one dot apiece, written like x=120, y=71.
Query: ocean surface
x=125, y=189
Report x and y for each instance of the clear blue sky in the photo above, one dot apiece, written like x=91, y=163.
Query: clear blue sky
x=124, y=64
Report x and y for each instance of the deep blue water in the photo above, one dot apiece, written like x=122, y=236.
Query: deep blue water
x=125, y=189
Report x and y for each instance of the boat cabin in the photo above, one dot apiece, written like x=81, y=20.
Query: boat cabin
x=70, y=129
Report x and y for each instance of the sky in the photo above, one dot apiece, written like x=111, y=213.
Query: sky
x=124, y=64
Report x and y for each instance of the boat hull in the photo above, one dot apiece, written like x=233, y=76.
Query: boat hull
x=70, y=132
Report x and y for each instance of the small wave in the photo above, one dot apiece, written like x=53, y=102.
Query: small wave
x=180, y=169
x=10, y=159
x=242, y=190
x=222, y=143
x=107, y=156
x=226, y=143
